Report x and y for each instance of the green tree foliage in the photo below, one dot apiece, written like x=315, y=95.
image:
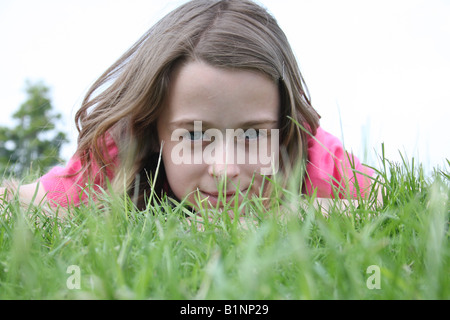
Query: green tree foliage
x=34, y=142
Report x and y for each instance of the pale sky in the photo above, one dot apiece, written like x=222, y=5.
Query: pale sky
x=377, y=71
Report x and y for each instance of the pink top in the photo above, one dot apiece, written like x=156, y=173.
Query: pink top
x=329, y=168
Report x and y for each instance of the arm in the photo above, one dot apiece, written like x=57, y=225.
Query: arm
x=33, y=193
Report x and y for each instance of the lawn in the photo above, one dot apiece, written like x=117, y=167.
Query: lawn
x=397, y=250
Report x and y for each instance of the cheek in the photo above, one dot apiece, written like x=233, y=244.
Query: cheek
x=182, y=178
x=255, y=178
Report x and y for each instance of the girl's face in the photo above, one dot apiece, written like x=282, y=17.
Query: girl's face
x=212, y=125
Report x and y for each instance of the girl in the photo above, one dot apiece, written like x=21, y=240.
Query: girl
x=225, y=64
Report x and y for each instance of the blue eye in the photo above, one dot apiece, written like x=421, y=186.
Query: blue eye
x=255, y=134
x=196, y=136
x=251, y=134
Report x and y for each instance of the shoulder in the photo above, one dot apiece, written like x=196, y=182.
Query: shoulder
x=331, y=168
x=65, y=184
x=323, y=143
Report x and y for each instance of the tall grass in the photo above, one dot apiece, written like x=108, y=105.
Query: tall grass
x=398, y=250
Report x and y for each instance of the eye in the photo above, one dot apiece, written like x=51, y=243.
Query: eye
x=197, y=136
x=251, y=134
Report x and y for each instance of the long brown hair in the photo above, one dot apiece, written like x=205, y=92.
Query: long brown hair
x=128, y=98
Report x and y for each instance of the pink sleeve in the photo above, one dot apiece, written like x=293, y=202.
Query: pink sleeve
x=331, y=170
x=64, y=185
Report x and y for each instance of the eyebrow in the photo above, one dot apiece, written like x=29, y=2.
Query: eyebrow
x=205, y=124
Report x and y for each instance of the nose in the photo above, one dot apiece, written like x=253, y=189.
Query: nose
x=224, y=170
x=224, y=164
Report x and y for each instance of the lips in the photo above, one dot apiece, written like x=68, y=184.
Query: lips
x=213, y=197
x=216, y=194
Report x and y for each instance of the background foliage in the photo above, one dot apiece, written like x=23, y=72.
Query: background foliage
x=33, y=143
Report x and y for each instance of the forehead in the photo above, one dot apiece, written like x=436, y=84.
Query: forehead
x=220, y=97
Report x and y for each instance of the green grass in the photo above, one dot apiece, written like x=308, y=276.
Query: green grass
x=123, y=253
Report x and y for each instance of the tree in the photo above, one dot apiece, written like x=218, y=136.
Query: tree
x=34, y=143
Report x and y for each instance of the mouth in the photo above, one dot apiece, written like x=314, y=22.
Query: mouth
x=213, y=197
